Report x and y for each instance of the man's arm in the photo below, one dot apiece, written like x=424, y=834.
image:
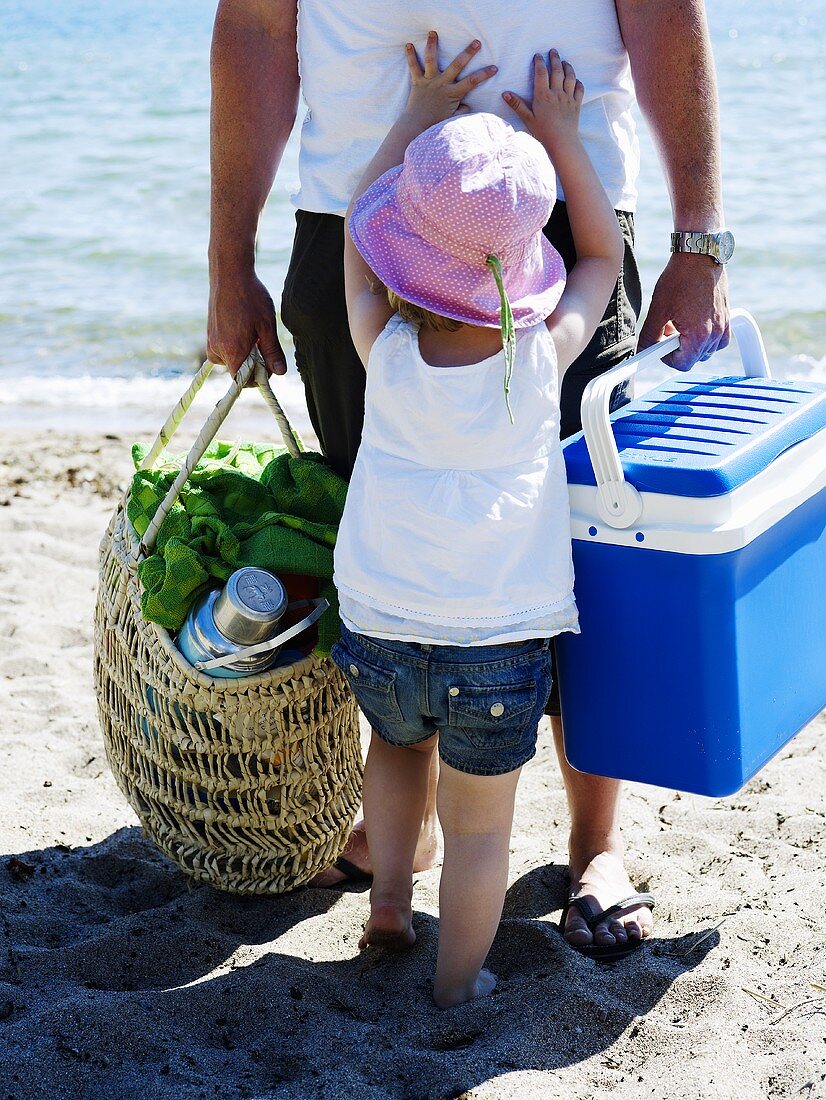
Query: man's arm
x=673, y=69
x=254, y=68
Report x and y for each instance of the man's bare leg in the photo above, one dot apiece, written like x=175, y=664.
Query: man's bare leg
x=596, y=856
x=357, y=852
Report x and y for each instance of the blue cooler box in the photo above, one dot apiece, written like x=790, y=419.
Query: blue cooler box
x=698, y=515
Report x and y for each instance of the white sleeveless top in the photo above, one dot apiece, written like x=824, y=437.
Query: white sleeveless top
x=456, y=527
x=355, y=82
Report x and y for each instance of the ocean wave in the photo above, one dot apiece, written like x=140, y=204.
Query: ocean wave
x=156, y=393
x=146, y=392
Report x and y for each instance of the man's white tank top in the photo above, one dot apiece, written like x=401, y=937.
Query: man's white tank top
x=355, y=80
x=456, y=528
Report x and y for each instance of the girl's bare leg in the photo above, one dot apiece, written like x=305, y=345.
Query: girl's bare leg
x=427, y=846
x=476, y=815
x=395, y=795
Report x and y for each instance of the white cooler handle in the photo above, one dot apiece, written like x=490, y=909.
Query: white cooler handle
x=620, y=505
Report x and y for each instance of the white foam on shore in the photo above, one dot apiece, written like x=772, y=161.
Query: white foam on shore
x=140, y=402
x=137, y=403
x=135, y=391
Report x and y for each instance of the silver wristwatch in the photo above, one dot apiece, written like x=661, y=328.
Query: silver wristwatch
x=720, y=246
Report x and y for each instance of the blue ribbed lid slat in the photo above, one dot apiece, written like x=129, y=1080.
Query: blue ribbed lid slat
x=703, y=439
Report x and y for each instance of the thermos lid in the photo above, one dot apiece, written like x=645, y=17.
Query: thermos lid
x=250, y=606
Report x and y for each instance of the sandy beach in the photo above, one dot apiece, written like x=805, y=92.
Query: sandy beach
x=121, y=980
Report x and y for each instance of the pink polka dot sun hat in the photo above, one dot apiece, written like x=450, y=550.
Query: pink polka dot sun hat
x=470, y=188
x=457, y=228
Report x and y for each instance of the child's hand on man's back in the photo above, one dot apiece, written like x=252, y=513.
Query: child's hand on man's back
x=553, y=117
x=434, y=95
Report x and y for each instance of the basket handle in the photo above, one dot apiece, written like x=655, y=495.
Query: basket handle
x=252, y=364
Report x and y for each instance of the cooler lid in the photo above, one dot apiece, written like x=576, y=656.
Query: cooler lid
x=705, y=438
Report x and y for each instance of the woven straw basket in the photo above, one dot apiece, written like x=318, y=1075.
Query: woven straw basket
x=248, y=784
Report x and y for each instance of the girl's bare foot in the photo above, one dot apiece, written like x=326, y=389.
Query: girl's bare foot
x=484, y=985
x=390, y=925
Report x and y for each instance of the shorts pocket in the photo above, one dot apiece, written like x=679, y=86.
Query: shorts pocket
x=492, y=717
x=373, y=686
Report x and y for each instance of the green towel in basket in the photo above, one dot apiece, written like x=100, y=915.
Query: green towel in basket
x=244, y=504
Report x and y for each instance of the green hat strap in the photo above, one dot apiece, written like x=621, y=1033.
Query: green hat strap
x=508, y=330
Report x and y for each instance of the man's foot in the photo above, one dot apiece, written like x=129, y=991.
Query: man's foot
x=358, y=854
x=601, y=878
x=389, y=925
x=484, y=985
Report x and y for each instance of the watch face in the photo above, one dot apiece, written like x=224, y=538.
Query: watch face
x=725, y=246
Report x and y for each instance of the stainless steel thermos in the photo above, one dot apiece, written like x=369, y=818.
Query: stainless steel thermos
x=239, y=624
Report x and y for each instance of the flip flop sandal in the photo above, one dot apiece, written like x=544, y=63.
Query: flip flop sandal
x=603, y=952
x=353, y=875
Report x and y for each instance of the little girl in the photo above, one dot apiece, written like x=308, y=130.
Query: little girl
x=453, y=562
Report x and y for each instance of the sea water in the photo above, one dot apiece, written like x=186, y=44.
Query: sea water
x=105, y=197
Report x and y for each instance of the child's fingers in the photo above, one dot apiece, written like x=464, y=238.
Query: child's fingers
x=557, y=78
x=473, y=80
x=518, y=104
x=569, y=79
x=412, y=59
x=540, y=75
x=461, y=60
x=431, y=55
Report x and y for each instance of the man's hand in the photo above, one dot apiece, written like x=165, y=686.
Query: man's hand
x=691, y=296
x=241, y=315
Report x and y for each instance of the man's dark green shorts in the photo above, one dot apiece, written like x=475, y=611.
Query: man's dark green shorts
x=314, y=311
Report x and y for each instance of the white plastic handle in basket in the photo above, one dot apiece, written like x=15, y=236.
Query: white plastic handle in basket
x=254, y=363
x=619, y=503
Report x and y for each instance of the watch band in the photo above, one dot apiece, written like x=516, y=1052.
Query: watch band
x=719, y=246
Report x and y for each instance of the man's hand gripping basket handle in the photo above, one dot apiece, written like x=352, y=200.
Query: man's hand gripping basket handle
x=620, y=504
x=253, y=364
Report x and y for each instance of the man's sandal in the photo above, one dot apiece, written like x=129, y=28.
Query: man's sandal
x=603, y=952
x=353, y=875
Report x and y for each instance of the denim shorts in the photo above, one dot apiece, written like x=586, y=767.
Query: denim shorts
x=485, y=702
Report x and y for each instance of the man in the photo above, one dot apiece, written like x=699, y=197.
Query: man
x=353, y=81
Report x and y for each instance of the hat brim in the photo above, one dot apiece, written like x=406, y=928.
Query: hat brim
x=421, y=273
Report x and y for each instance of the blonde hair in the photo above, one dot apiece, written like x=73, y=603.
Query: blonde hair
x=421, y=316
x=418, y=315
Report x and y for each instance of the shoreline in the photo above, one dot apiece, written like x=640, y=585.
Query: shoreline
x=135, y=409
x=139, y=402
